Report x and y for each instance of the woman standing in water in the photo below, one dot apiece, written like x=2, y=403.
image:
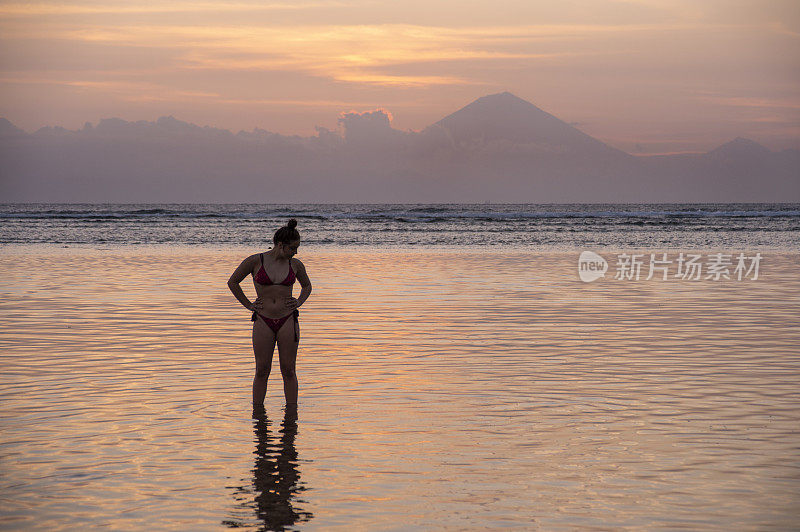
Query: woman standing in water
x=274, y=310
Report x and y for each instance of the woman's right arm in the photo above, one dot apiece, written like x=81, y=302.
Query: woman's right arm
x=244, y=269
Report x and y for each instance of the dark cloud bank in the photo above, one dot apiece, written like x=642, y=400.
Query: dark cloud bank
x=498, y=149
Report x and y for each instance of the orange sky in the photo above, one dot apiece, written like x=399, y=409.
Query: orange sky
x=646, y=76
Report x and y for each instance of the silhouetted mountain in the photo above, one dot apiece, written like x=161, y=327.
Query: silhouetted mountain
x=505, y=117
x=498, y=148
x=739, y=149
x=9, y=129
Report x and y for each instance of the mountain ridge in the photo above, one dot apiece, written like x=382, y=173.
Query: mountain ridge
x=497, y=148
x=473, y=124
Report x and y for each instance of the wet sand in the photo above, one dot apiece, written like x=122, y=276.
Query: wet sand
x=465, y=390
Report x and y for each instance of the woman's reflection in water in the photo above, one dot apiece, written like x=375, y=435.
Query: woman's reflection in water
x=276, y=479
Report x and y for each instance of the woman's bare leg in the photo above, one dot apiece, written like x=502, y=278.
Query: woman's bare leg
x=287, y=354
x=263, y=347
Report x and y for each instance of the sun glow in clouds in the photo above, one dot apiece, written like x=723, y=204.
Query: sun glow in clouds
x=617, y=67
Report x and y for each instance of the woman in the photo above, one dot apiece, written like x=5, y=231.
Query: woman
x=274, y=310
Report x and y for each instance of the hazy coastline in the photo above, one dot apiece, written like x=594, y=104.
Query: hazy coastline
x=499, y=148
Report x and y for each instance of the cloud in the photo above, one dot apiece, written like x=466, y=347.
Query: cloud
x=780, y=104
x=87, y=8
x=367, y=126
x=352, y=53
x=126, y=90
x=598, y=61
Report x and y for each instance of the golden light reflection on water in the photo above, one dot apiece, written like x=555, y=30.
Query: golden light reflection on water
x=469, y=390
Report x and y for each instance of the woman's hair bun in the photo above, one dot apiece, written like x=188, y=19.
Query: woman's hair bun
x=287, y=233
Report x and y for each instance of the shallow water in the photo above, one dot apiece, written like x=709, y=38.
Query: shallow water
x=463, y=390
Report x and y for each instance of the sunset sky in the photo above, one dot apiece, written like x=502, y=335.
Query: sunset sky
x=646, y=76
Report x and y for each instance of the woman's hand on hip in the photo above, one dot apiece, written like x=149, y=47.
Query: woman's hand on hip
x=292, y=303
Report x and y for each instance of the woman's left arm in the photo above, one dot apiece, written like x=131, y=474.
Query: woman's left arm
x=305, y=283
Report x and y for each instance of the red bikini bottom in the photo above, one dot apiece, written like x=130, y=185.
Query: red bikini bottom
x=276, y=325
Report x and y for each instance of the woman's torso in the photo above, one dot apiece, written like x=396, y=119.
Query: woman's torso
x=273, y=296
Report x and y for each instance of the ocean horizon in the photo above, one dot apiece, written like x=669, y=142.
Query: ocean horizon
x=557, y=227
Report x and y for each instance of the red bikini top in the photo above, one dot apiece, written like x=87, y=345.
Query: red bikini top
x=261, y=276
